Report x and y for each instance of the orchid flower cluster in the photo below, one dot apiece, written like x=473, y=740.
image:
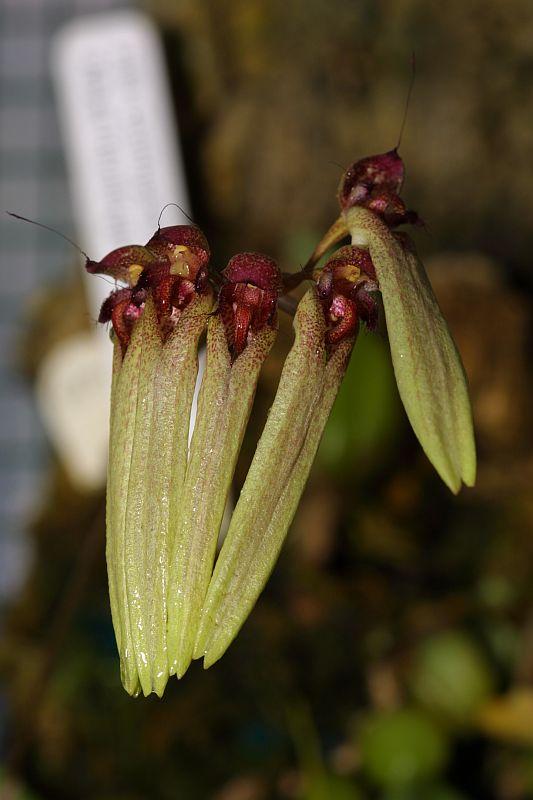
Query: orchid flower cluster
x=172, y=598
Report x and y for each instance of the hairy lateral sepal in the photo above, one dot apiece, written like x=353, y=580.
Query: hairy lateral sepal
x=427, y=365
x=261, y=517
x=224, y=405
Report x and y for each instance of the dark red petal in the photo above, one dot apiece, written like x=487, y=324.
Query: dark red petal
x=255, y=268
x=367, y=309
x=114, y=299
x=384, y=170
x=242, y=319
x=117, y=263
x=186, y=235
x=121, y=324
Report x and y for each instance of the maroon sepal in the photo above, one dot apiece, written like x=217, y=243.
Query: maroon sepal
x=384, y=171
x=122, y=308
x=185, y=247
x=118, y=263
x=375, y=183
x=248, y=299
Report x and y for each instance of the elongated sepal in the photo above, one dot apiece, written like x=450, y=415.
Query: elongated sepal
x=428, y=367
x=152, y=394
x=273, y=487
x=129, y=388
x=224, y=405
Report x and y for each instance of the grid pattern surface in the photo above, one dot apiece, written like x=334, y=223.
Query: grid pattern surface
x=33, y=183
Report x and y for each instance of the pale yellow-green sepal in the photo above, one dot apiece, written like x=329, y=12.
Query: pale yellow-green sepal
x=152, y=391
x=272, y=488
x=224, y=405
x=427, y=365
x=124, y=402
x=164, y=473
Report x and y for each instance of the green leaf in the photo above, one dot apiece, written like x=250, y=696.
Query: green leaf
x=224, y=405
x=428, y=368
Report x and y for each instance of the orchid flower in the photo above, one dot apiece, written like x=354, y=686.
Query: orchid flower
x=171, y=598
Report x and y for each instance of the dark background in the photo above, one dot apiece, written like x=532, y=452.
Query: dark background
x=391, y=654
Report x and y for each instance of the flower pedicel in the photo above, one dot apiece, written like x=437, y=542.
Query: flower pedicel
x=165, y=501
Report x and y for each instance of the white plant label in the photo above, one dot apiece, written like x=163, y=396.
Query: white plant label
x=124, y=165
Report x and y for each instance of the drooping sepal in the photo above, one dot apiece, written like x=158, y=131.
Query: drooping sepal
x=239, y=339
x=224, y=405
x=427, y=365
x=258, y=528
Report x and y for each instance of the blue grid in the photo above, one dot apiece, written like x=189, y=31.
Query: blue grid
x=32, y=182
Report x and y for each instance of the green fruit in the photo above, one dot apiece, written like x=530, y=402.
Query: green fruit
x=451, y=677
x=402, y=748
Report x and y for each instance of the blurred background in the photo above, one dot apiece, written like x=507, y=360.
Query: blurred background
x=391, y=654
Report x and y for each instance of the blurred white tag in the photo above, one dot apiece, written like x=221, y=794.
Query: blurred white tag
x=70, y=385
x=119, y=130
x=120, y=141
